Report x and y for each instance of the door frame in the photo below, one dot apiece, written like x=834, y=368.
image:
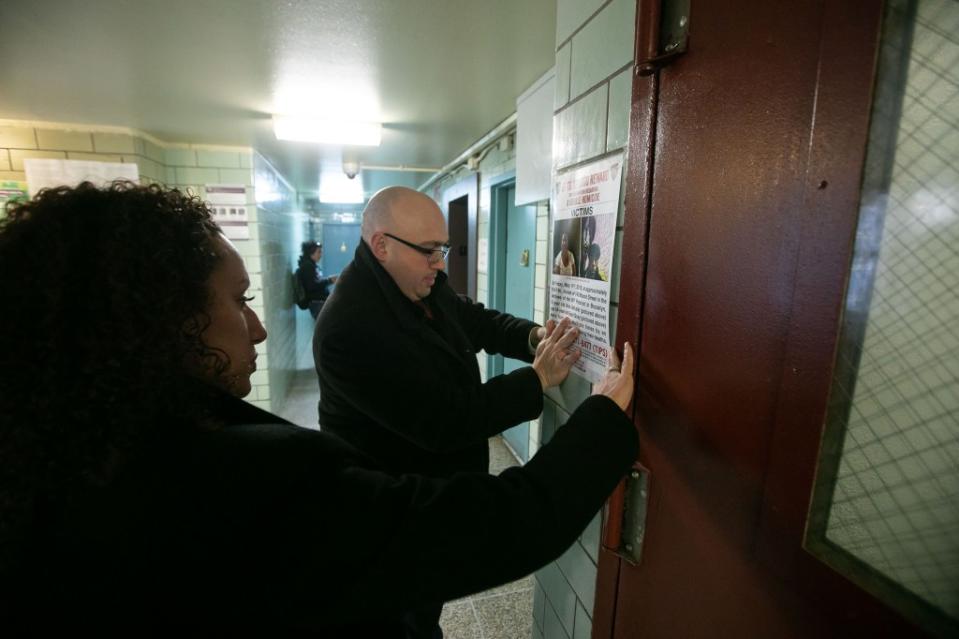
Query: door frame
x=632, y=284
x=496, y=269
x=468, y=186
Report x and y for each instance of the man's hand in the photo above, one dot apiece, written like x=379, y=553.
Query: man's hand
x=535, y=337
x=618, y=383
x=554, y=353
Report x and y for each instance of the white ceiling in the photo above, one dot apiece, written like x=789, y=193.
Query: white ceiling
x=437, y=73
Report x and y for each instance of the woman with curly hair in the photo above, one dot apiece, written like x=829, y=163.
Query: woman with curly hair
x=139, y=494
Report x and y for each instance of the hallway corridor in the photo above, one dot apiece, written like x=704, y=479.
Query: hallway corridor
x=501, y=613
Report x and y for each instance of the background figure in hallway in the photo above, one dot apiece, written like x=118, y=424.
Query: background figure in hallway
x=140, y=495
x=396, y=348
x=311, y=278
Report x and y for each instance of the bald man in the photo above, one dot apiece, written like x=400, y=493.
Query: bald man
x=395, y=350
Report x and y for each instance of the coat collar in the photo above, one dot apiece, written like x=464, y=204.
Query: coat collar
x=232, y=410
x=408, y=314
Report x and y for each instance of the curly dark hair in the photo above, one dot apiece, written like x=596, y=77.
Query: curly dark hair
x=105, y=294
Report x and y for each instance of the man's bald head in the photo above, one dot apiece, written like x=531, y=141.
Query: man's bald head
x=399, y=224
x=377, y=215
x=398, y=209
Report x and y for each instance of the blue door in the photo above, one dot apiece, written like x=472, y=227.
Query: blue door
x=339, y=244
x=520, y=271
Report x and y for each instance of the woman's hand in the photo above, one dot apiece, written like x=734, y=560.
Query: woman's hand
x=618, y=382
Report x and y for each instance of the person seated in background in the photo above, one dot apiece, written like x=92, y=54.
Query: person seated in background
x=316, y=287
x=139, y=494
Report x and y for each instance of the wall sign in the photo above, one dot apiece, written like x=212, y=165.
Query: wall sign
x=585, y=204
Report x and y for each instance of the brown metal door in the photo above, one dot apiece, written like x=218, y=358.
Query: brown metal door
x=743, y=190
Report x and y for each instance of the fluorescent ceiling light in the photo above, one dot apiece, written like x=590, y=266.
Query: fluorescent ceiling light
x=301, y=129
x=336, y=188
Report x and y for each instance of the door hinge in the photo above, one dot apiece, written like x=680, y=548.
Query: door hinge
x=626, y=516
x=673, y=36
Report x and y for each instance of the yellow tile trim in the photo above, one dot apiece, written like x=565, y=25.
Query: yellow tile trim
x=102, y=128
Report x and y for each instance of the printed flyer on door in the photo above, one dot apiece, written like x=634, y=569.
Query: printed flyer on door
x=585, y=203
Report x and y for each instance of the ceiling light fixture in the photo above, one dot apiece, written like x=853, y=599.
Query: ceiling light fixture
x=336, y=188
x=301, y=129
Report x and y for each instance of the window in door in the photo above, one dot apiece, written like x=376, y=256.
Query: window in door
x=886, y=506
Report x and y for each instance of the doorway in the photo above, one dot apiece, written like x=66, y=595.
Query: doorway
x=339, y=245
x=459, y=205
x=457, y=261
x=512, y=280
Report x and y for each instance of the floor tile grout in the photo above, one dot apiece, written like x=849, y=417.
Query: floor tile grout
x=476, y=617
x=482, y=596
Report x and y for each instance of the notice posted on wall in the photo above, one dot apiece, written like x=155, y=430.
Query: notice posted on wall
x=585, y=204
x=228, y=203
x=44, y=173
x=12, y=191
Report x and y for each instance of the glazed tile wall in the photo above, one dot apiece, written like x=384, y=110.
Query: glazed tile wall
x=276, y=227
x=594, y=60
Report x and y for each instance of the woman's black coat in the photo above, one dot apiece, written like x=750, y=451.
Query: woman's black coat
x=260, y=527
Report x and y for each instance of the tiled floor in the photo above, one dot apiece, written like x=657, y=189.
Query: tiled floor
x=501, y=613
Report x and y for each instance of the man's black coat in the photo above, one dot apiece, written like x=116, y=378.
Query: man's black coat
x=413, y=399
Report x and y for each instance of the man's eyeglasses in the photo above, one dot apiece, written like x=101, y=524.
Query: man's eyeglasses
x=433, y=255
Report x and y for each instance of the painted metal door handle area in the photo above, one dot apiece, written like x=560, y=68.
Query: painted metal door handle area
x=626, y=516
x=524, y=258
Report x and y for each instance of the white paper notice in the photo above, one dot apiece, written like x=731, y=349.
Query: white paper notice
x=228, y=202
x=42, y=174
x=585, y=204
